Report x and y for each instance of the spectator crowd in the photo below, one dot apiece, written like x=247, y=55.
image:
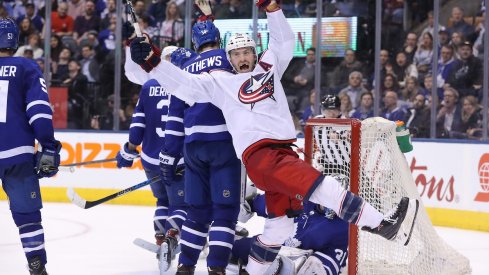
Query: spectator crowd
x=83, y=43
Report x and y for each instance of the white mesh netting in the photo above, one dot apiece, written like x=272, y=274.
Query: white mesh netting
x=384, y=178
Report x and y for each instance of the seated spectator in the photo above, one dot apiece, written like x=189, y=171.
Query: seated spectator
x=105, y=120
x=300, y=81
x=75, y=8
x=110, y=10
x=157, y=9
x=391, y=111
x=466, y=76
x=25, y=30
x=385, y=67
x=32, y=45
x=449, y=116
x=459, y=24
x=140, y=11
x=404, y=69
x=346, y=107
x=443, y=38
x=89, y=65
x=56, y=47
x=171, y=30
x=131, y=105
x=106, y=37
x=355, y=88
x=479, y=41
x=77, y=87
x=445, y=67
x=410, y=46
x=61, y=23
x=88, y=21
x=408, y=94
x=417, y=118
x=60, y=69
x=471, y=118
x=390, y=84
x=342, y=72
x=456, y=40
x=232, y=9
x=35, y=18
x=365, y=110
x=424, y=55
x=430, y=28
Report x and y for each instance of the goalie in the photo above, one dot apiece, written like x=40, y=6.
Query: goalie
x=318, y=245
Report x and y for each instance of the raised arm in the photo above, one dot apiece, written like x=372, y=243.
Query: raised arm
x=282, y=38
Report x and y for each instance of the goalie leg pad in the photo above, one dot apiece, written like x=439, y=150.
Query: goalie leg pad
x=313, y=266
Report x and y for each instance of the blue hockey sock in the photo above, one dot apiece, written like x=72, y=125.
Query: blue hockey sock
x=221, y=239
x=31, y=234
x=177, y=215
x=193, y=239
x=160, y=216
x=241, y=249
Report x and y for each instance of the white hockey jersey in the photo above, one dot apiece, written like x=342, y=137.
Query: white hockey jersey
x=254, y=104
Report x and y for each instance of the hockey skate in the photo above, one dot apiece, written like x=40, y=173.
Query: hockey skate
x=36, y=267
x=168, y=249
x=404, y=214
x=216, y=270
x=185, y=270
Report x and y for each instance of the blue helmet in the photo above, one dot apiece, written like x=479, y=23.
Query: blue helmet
x=180, y=56
x=9, y=34
x=203, y=33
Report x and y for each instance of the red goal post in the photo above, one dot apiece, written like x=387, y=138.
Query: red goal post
x=367, y=153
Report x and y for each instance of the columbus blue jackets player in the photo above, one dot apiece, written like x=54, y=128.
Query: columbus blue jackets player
x=148, y=126
x=213, y=171
x=25, y=115
x=317, y=229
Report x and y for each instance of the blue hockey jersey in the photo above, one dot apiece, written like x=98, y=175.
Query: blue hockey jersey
x=204, y=121
x=25, y=112
x=149, y=121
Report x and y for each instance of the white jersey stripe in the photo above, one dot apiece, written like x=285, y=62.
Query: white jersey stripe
x=142, y=125
x=37, y=102
x=33, y=118
x=206, y=129
x=150, y=159
x=219, y=243
x=16, y=151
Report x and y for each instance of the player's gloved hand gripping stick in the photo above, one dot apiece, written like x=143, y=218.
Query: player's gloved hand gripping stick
x=171, y=167
x=126, y=156
x=47, y=160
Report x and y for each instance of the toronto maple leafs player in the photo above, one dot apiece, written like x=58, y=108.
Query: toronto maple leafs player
x=256, y=111
x=148, y=126
x=25, y=115
x=317, y=229
x=213, y=171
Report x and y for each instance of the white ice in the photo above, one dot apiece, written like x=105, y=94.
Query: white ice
x=98, y=241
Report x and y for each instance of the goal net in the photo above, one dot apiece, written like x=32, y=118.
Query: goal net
x=367, y=153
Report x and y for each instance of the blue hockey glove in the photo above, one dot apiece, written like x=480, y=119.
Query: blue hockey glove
x=47, y=160
x=128, y=32
x=144, y=53
x=126, y=156
x=172, y=167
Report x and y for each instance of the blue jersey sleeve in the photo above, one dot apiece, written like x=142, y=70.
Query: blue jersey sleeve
x=138, y=122
x=38, y=109
x=174, y=131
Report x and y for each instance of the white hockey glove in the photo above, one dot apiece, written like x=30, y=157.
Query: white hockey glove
x=245, y=212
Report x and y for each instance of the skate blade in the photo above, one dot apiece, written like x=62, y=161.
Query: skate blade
x=165, y=258
x=405, y=232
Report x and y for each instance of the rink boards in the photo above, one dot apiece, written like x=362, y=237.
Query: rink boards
x=452, y=178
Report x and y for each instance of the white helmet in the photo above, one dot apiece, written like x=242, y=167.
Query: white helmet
x=239, y=40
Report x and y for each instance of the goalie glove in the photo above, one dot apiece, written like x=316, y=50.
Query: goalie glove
x=126, y=156
x=203, y=10
x=268, y=5
x=47, y=160
x=144, y=53
x=171, y=167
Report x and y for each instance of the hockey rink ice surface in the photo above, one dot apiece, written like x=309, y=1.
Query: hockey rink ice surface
x=98, y=241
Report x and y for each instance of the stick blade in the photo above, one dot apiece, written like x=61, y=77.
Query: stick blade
x=147, y=245
x=75, y=198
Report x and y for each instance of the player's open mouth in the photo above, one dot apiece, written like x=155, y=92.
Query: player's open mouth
x=243, y=67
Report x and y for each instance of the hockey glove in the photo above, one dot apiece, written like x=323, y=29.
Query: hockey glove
x=245, y=212
x=126, y=156
x=171, y=167
x=203, y=10
x=47, y=160
x=268, y=5
x=144, y=53
x=128, y=32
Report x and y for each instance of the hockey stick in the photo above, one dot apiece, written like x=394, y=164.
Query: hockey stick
x=70, y=169
x=82, y=203
x=88, y=162
x=131, y=17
